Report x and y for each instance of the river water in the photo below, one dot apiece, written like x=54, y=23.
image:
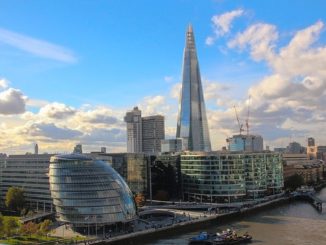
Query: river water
x=296, y=223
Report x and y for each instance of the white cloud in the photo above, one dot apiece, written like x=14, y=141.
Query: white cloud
x=37, y=47
x=168, y=79
x=3, y=83
x=151, y=105
x=222, y=24
x=260, y=38
x=98, y=115
x=176, y=91
x=12, y=101
x=57, y=110
x=50, y=131
x=36, y=102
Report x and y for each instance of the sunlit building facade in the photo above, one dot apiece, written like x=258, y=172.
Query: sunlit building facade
x=88, y=192
x=230, y=177
x=29, y=172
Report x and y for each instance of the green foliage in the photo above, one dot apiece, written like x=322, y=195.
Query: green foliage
x=10, y=226
x=45, y=227
x=15, y=198
x=293, y=182
x=29, y=228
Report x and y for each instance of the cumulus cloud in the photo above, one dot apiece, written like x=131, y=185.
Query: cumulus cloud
x=289, y=101
x=12, y=101
x=151, y=105
x=222, y=24
x=260, y=38
x=176, y=90
x=50, y=131
x=100, y=115
x=37, y=47
x=57, y=110
x=105, y=136
x=3, y=83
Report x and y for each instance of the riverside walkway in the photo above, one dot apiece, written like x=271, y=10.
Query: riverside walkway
x=184, y=220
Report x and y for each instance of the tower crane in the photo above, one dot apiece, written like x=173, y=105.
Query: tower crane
x=240, y=125
x=248, y=114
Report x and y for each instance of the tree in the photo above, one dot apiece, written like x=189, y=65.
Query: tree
x=45, y=227
x=293, y=182
x=15, y=198
x=10, y=226
x=139, y=199
x=29, y=228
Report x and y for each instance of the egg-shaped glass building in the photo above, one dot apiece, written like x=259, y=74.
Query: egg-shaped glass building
x=88, y=192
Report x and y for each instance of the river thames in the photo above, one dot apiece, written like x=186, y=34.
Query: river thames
x=295, y=223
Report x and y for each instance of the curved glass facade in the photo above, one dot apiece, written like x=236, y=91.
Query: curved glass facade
x=87, y=191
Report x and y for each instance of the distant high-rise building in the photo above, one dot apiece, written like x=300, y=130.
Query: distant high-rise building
x=171, y=145
x=192, y=122
x=134, y=131
x=36, y=149
x=144, y=134
x=78, y=149
x=311, y=141
x=312, y=149
x=295, y=148
x=152, y=133
x=103, y=149
x=249, y=143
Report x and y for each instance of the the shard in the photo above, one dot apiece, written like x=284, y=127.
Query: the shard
x=192, y=122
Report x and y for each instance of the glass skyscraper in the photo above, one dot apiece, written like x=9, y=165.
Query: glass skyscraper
x=192, y=122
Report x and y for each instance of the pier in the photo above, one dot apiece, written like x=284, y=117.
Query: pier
x=309, y=195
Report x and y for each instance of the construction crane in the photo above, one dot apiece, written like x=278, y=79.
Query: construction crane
x=240, y=125
x=248, y=114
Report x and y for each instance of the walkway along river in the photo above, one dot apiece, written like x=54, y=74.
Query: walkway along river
x=296, y=223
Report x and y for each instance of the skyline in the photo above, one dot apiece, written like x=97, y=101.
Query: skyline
x=133, y=57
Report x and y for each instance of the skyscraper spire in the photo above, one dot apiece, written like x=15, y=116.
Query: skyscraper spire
x=192, y=122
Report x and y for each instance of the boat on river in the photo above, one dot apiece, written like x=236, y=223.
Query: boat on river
x=227, y=237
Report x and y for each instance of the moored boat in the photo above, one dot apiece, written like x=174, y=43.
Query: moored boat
x=203, y=238
x=230, y=237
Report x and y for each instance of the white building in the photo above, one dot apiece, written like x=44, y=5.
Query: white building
x=144, y=134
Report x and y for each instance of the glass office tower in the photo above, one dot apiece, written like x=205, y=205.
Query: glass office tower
x=192, y=122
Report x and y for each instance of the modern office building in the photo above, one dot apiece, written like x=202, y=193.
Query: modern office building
x=166, y=177
x=230, y=177
x=88, y=192
x=152, y=133
x=192, y=124
x=311, y=141
x=133, y=167
x=144, y=134
x=78, y=149
x=134, y=131
x=295, y=148
x=248, y=143
x=171, y=145
x=28, y=172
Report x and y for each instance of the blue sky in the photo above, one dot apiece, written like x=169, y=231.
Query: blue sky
x=117, y=54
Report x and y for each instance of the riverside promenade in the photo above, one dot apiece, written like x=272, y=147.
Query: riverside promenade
x=186, y=220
